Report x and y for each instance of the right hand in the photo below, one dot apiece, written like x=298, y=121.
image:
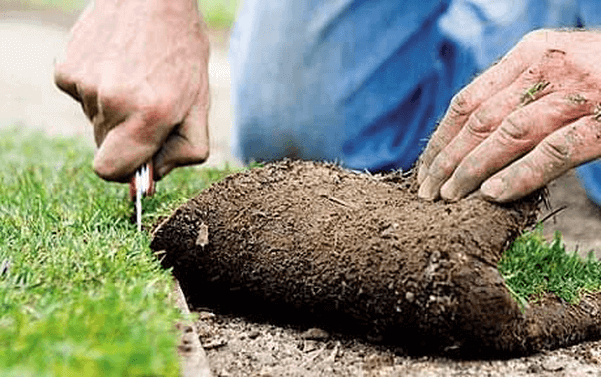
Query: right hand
x=139, y=68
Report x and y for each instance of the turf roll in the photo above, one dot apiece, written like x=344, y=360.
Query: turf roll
x=359, y=253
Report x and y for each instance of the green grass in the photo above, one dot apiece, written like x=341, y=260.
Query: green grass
x=218, y=14
x=80, y=291
x=533, y=266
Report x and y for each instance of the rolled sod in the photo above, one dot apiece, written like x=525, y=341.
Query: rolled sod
x=358, y=253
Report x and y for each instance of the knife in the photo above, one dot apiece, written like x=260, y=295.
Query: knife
x=141, y=185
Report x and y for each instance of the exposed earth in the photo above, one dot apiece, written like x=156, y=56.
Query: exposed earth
x=239, y=347
x=29, y=43
x=317, y=246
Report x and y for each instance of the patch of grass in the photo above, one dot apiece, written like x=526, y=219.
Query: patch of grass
x=532, y=266
x=219, y=14
x=80, y=291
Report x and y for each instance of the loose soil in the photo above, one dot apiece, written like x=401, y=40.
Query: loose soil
x=308, y=245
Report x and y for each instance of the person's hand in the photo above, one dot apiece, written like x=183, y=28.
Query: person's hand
x=522, y=123
x=139, y=70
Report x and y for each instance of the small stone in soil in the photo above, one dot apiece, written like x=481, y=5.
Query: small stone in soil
x=253, y=334
x=214, y=344
x=315, y=334
x=204, y=315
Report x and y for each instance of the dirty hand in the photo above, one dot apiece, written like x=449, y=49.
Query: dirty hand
x=522, y=123
x=139, y=70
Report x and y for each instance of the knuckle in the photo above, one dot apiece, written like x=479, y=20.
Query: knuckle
x=478, y=125
x=510, y=131
x=160, y=107
x=442, y=167
x=158, y=111
x=558, y=151
x=461, y=103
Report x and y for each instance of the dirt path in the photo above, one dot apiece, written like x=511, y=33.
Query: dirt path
x=29, y=43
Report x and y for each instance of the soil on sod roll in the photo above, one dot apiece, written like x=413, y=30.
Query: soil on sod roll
x=315, y=244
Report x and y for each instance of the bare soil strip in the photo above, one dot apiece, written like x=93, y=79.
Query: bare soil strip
x=313, y=243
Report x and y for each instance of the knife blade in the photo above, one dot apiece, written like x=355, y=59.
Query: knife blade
x=141, y=185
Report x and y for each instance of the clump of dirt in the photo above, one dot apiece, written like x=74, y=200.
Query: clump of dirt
x=315, y=244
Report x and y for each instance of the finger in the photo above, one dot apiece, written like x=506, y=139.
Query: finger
x=568, y=147
x=125, y=148
x=481, y=124
x=188, y=144
x=493, y=80
x=519, y=133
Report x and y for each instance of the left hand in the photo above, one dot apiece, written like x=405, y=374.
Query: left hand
x=522, y=123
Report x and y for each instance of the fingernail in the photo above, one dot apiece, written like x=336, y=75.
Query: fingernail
x=422, y=172
x=449, y=191
x=492, y=189
x=429, y=189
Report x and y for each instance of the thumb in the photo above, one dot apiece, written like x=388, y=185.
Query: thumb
x=188, y=143
x=122, y=151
